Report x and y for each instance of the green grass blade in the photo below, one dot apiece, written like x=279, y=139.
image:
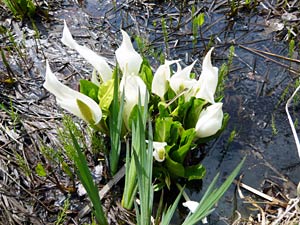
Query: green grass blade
x=143, y=160
x=166, y=217
x=130, y=187
x=115, y=125
x=87, y=181
x=211, y=197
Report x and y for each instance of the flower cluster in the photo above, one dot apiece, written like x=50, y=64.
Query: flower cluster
x=183, y=109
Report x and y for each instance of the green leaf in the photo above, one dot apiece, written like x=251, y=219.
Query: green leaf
x=40, y=170
x=167, y=216
x=138, y=147
x=183, y=107
x=193, y=111
x=195, y=172
x=176, y=169
x=211, y=197
x=115, y=127
x=67, y=169
x=89, y=89
x=86, y=179
x=130, y=186
x=161, y=173
x=175, y=132
x=146, y=74
x=163, y=109
x=162, y=129
x=134, y=114
x=106, y=96
x=186, y=142
x=200, y=19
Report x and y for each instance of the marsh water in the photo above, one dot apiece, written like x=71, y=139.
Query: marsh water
x=254, y=94
x=257, y=87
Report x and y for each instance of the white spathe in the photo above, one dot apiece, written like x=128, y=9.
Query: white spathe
x=132, y=86
x=128, y=59
x=67, y=98
x=208, y=81
x=95, y=78
x=160, y=80
x=191, y=205
x=181, y=80
x=210, y=120
x=98, y=62
x=159, y=152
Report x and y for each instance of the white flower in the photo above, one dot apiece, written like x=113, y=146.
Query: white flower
x=73, y=101
x=210, y=120
x=191, y=205
x=181, y=80
x=159, y=152
x=161, y=77
x=128, y=59
x=208, y=81
x=98, y=62
x=133, y=86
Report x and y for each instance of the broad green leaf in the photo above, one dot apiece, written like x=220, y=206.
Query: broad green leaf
x=89, y=89
x=162, y=174
x=170, y=98
x=40, y=170
x=175, y=132
x=105, y=96
x=176, y=169
x=146, y=74
x=193, y=111
x=162, y=129
x=163, y=109
x=182, y=106
x=186, y=142
x=195, y=172
x=200, y=19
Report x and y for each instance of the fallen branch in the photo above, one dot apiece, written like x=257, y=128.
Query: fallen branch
x=291, y=120
x=273, y=200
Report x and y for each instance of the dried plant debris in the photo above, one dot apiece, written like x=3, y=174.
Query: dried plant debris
x=271, y=206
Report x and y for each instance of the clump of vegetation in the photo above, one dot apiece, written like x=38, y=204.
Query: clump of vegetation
x=21, y=8
x=124, y=103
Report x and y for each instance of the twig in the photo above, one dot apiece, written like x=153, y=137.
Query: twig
x=288, y=209
x=117, y=177
x=272, y=54
x=260, y=194
x=291, y=120
x=24, y=189
x=270, y=59
x=263, y=214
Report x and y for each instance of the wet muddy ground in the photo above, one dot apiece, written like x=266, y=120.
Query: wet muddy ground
x=257, y=87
